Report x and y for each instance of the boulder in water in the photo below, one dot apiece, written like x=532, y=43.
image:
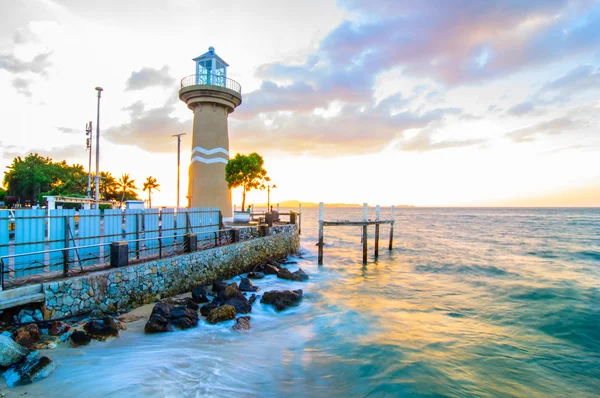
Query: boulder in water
x=282, y=299
x=11, y=352
x=32, y=369
x=184, y=318
x=252, y=299
x=185, y=301
x=217, y=286
x=270, y=270
x=160, y=318
x=246, y=285
x=240, y=303
x=220, y=314
x=285, y=273
x=102, y=330
x=79, y=338
x=58, y=328
x=199, y=295
x=46, y=342
x=301, y=274
x=255, y=275
x=27, y=335
x=207, y=308
x=242, y=323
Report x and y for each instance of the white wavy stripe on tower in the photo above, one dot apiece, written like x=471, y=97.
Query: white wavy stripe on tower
x=208, y=161
x=210, y=151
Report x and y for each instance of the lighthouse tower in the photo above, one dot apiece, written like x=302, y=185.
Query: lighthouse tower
x=212, y=96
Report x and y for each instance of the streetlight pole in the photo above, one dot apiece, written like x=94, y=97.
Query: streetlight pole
x=88, y=141
x=269, y=196
x=97, y=179
x=178, y=161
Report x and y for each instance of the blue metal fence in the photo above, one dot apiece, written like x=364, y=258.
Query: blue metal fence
x=62, y=241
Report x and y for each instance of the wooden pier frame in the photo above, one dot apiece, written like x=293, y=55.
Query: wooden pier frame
x=365, y=223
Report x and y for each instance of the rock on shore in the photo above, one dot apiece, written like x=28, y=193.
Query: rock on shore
x=33, y=368
x=11, y=352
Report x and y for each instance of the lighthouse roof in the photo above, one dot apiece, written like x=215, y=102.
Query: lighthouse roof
x=209, y=55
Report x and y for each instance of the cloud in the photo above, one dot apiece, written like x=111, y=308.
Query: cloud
x=25, y=35
x=456, y=43
x=422, y=142
x=149, y=129
x=551, y=127
x=521, y=109
x=71, y=153
x=354, y=129
x=580, y=79
x=37, y=65
x=22, y=86
x=149, y=77
x=70, y=130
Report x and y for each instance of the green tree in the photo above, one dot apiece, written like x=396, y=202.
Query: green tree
x=127, y=188
x=247, y=172
x=149, y=185
x=28, y=178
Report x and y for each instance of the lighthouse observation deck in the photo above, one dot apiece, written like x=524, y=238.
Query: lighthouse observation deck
x=211, y=79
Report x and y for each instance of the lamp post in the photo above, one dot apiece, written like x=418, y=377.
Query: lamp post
x=269, y=186
x=88, y=142
x=178, y=161
x=97, y=179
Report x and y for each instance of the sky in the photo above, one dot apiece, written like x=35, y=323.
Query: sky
x=426, y=103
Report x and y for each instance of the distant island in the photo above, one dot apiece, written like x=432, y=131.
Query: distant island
x=295, y=203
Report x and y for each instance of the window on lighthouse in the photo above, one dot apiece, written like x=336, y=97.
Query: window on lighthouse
x=205, y=72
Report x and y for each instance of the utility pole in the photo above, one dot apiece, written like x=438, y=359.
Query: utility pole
x=178, y=161
x=88, y=142
x=97, y=179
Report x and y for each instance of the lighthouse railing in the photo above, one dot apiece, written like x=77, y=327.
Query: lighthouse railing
x=211, y=79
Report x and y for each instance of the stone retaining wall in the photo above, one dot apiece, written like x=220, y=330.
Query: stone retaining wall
x=135, y=285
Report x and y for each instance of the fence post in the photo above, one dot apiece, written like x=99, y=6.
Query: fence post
x=269, y=219
x=137, y=236
x=119, y=254
x=66, y=246
x=190, y=243
x=235, y=235
x=292, y=217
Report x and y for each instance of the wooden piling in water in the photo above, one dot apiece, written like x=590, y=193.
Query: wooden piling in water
x=300, y=219
x=320, y=243
x=365, y=236
x=392, y=228
x=377, y=213
x=364, y=224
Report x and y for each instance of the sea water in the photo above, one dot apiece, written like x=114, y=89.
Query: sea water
x=471, y=302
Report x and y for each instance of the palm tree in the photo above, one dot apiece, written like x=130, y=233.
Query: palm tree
x=108, y=186
x=126, y=186
x=149, y=185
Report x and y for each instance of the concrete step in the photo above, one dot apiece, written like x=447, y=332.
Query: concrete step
x=21, y=296
x=22, y=300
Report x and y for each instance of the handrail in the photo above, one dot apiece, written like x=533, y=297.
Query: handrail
x=211, y=79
